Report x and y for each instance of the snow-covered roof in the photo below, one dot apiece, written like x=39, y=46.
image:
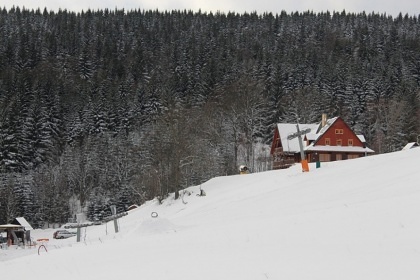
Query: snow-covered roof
x=311, y=136
x=23, y=222
x=10, y=226
x=410, y=146
x=361, y=138
x=286, y=129
x=343, y=149
x=327, y=125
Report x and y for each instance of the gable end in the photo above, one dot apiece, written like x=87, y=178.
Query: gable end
x=339, y=134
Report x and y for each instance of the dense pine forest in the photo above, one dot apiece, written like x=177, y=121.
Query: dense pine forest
x=118, y=107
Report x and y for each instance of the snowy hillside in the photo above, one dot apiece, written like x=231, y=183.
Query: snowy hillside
x=356, y=219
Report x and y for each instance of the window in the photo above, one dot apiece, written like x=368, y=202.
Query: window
x=352, y=156
x=327, y=141
x=350, y=142
x=338, y=157
x=339, y=142
x=324, y=157
x=339, y=131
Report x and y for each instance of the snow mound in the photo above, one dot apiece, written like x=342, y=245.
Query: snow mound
x=156, y=226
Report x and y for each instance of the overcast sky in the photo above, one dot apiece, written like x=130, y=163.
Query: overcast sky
x=390, y=7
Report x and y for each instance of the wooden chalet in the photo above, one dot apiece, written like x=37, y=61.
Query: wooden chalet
x=330, y=140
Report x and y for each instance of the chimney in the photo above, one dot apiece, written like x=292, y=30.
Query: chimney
x=323, y=120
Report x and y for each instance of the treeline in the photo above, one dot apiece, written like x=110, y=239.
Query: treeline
x=118, y=107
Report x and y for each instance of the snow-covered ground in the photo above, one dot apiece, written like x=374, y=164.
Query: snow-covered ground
x=355, y=219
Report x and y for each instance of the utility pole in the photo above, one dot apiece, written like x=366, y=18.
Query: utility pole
x=114, y=213
x=298, y=135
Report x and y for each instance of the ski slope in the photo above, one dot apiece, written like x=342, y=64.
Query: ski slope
x=355, y=219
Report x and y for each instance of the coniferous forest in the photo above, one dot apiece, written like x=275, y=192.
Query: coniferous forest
x=119, y=107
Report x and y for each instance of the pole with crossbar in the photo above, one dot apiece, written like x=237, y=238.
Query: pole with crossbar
x=298, y=135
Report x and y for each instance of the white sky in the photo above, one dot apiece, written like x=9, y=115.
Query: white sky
x=353, y=219
x=390, y=7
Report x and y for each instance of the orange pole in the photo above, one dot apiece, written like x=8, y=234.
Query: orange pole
x=305, y=165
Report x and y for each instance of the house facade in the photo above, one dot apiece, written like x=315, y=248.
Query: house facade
x=330, y=140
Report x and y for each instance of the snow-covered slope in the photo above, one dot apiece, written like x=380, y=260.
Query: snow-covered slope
x=356, y=219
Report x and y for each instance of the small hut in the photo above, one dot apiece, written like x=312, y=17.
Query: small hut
x=18, y=232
